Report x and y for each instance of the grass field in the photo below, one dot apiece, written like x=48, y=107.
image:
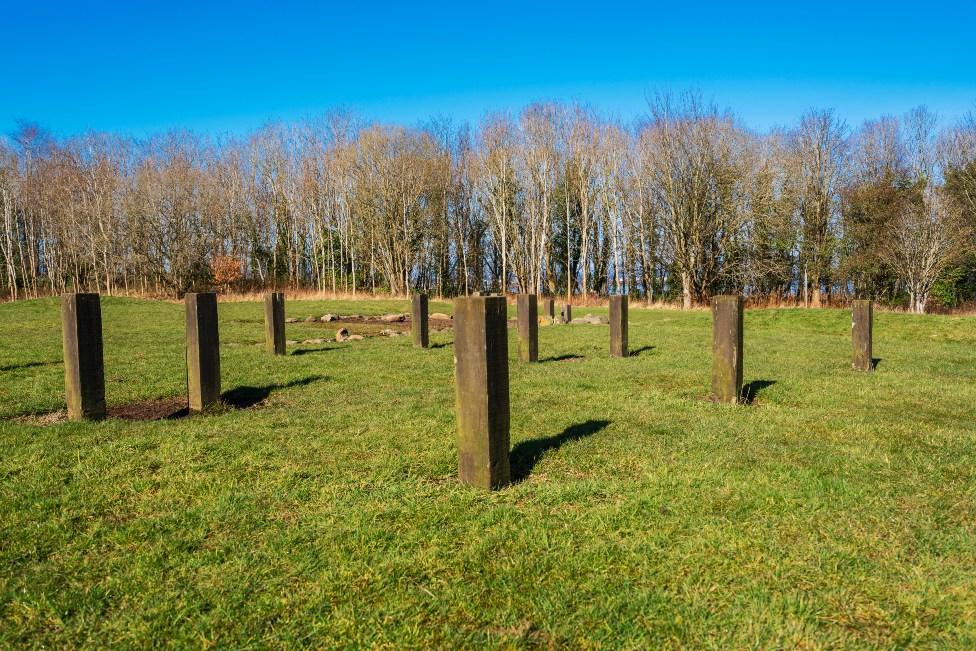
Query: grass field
x=321, y=507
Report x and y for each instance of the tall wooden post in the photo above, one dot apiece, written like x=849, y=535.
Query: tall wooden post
x=481, y=381
x=727, y=348
x=528, y=328
x=202, y=351
x=274, y=322
x=84, y=366
x=862, y=325
x=567, y=313
x=618, y=326
x=419, y=324
x=549, y=309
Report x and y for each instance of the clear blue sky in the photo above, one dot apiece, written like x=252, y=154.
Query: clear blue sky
x=136, y=67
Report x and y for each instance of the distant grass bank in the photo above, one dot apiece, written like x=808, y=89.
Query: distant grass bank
x=320, y=506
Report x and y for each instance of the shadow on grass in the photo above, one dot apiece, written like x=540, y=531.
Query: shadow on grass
x=310, y=351
x=17, y=367
x=875, y=361
x=751, y=390
x=642, y=349
x=562, y=358
x=526, y=454
x=248, y=396
x=441, y=345
x=175, y=407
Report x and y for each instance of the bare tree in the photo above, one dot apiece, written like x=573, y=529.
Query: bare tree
x=695, y=177
x=927, y=237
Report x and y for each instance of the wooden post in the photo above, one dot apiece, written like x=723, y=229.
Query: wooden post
x=618, y=326
x=727, y=348
x=419, y=324
x=549, y=309
x=862, y=325
x=274, y=322
x=202, y=351
x=84, y=366
x=528, y=328
x=481, y=381
x=567, y=313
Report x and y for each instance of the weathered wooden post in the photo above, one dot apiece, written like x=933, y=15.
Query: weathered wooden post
x=274, y=322
x=862, y=324
x=202, y=351
x=84, y=366
x=549, y=309
x=528, y=327
x=618, y=326
x=566, y=314
x=727, y=348
x=481, y=381
x=419, y=324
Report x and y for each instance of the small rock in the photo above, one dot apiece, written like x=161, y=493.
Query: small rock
x=314, y=341
x=342, y=334
x=329, y=317
x=441, y=316
x=291, y=342
x=386, y=332
x=291, y=319
x=393, y=318
x=356, y=338
x=590, y=319
x=309, y=319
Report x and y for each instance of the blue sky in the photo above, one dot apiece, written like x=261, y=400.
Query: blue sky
x=138, y=67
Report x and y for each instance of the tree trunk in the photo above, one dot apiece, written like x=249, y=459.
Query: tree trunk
x=686, y=290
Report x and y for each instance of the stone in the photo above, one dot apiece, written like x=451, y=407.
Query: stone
x=482, y=391
x=84, y=366
x=566, y=313
x=727, y=348
x=355, y=338
x=327, y=318
x=309, y=319
x=291, y=342
x=387, y=332
x=618, y=326
x=419, y=323
x=590, y=319
x=393, y=318
x=440, y=316
x=528, y=327
x=291, y=319
x=314, y=341
x=274, y=322
x=342, y=334
x=862, y=326
x=202, y=351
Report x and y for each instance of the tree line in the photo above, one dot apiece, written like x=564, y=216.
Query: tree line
x=680, y=204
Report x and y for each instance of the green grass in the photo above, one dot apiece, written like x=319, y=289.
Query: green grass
x=838, y=511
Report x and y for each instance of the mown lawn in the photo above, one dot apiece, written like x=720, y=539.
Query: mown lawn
x=836, y=511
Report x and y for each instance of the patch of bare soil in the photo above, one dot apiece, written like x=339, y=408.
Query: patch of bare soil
x=159, y=409
x=43, y=420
